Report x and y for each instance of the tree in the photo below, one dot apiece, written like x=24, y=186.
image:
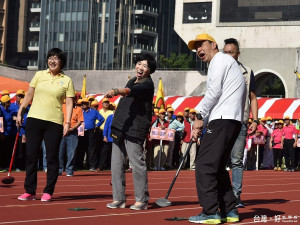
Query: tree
x=181, y=61
x=274, y=87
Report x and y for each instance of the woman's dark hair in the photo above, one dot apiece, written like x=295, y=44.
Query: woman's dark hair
x=150, y=60
x=60, y=54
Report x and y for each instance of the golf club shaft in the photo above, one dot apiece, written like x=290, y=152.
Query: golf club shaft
x=13, y=153
x=16, y=143
x=180, y=165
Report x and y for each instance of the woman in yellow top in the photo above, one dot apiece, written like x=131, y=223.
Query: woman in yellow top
x=47, y=91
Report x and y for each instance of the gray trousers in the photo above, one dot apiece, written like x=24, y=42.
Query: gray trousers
x=135, y=154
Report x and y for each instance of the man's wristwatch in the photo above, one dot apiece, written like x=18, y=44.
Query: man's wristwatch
x=199, y=116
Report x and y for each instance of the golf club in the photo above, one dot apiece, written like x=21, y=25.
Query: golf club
x=164, y=202
x=9, y=179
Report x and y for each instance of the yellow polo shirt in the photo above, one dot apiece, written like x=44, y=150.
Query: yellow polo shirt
x=105, y=115
x=50, y=92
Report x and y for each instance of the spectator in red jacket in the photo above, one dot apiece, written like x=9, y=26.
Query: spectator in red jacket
x=162, y=124
x=289, y=144
x=186, y=138
x=276, y=144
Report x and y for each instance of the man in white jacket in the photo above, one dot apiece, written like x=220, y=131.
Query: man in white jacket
x=223, y=108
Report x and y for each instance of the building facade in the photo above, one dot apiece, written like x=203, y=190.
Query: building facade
x=3, y=28
x=267, y=31
x=22, y=36
x=98, y=34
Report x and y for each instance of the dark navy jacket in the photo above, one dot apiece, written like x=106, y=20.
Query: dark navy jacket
x=134, y=112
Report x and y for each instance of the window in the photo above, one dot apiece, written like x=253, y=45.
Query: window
x=66, y=36
x=78, y=36
x=60, y=37
x=74, y=8
x=85, y=6
x=83, y=36
x=259, y=11
x=71, y=36
x=197, y=12
x=78, y=25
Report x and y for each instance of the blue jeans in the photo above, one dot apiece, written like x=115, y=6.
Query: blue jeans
x=68, y=144
x=237, y=155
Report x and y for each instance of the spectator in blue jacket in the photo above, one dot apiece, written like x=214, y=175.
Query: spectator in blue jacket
x=89, y=144
x=9, y=123
x=19, y=96
x=107, y=143
x=20, y=157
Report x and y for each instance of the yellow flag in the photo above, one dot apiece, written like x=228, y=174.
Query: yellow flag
x=83, y=90
x=160, y=96
x=298, y=74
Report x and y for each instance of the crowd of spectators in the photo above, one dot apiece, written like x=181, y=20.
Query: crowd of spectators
x=274, y=145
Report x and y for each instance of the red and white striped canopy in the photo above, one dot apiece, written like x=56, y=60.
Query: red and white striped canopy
x=277, y=108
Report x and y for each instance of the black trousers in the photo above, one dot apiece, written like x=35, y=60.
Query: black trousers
x=297, y=157
x=289, y=153
x=105, y=154
x=99, y=145
x=212, y=179
x=6, y=149
x=89, y=146
x=261, y=150
x=277, y=153
x=36, y=131
x=20, y=157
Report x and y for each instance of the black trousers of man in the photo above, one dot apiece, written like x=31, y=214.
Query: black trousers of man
x=212, y=179
x=289, y=153
x=90, y=147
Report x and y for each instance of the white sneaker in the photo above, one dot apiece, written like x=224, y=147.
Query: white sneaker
x=162, y=169
x=154, y=168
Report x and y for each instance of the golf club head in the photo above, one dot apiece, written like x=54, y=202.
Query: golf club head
x=162, y=202
x=8, y=180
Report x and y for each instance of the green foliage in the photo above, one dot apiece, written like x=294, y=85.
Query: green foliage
x=273, y=88
x=181, y=61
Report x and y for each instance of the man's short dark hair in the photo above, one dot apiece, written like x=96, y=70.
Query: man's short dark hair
x=232, y=41
x=150, y=60
x=60, y=54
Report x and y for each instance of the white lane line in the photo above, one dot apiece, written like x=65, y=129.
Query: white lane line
x=152, y=184
x=156, y=189
x=172, y=197
x=122, y=214
x=97, y=216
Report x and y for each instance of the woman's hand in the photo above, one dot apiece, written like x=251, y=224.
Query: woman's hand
x=110, y=94
x=66, y=129
x=19, y=120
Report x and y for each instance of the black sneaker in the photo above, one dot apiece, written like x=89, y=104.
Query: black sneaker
x=239, y=203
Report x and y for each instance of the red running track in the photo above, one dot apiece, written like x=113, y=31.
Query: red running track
x=271, y=197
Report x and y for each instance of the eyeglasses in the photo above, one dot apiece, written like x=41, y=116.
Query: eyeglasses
x=53, y=58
